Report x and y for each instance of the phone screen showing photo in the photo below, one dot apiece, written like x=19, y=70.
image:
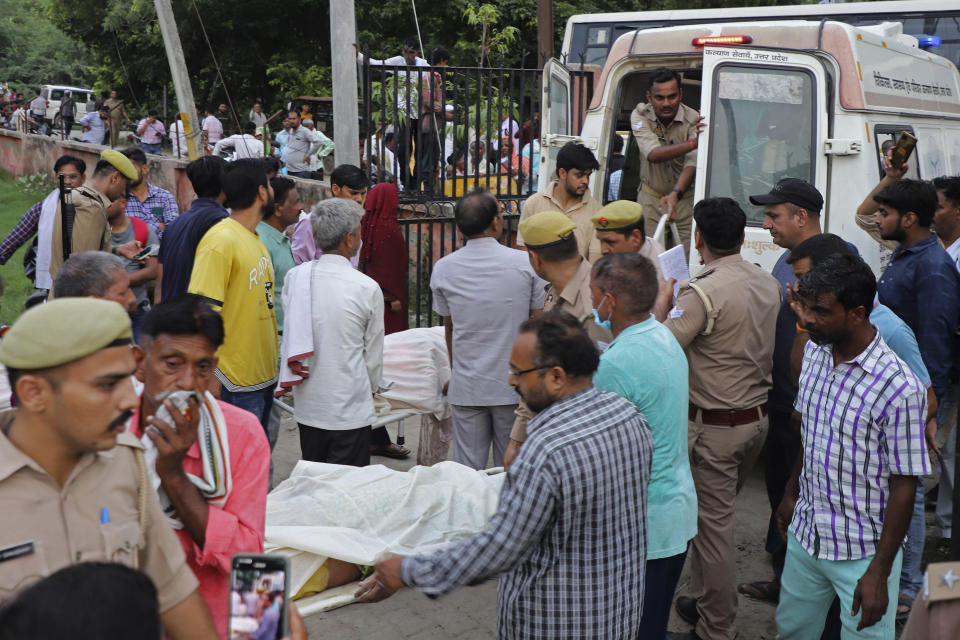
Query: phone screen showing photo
x=258, y=597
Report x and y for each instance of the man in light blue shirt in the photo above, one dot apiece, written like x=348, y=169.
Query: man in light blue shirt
x=484, y=291
x=95, y=125
x=646, y=365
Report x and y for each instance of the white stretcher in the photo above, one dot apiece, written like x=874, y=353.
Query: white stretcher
x=416, y=367
x=363, y=514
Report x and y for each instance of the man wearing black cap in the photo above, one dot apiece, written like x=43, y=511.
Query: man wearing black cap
x=791, y=214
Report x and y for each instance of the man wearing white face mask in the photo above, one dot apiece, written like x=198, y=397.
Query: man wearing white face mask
x=645, y=364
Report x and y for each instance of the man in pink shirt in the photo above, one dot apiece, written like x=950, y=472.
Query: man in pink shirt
x=347, y=181
x=217, y=505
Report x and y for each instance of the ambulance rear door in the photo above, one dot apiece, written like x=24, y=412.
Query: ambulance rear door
x=766, y=118
x=557, y=118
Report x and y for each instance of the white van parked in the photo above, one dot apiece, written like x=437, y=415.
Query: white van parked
x=53, y=94
x=803, y=99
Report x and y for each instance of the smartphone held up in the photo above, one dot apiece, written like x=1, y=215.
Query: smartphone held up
x=902, y=149
x=259, y=598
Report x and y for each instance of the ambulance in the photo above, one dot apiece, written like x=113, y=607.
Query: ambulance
x=793, y=98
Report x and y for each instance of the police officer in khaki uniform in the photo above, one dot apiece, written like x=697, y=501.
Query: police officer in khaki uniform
x=107, y=187
x=620, y=229
x=666, y=131
x=73, y=484
x=725, y=319
x=553, y=253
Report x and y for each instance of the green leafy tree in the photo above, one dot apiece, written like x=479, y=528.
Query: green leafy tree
x=266, y=52
x=34, y=51
x=486, y=16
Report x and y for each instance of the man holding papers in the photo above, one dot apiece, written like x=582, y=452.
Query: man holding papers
x=725, y=319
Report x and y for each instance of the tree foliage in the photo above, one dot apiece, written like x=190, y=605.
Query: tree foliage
x=487, y=17
x=267, y=52
x=34, y=51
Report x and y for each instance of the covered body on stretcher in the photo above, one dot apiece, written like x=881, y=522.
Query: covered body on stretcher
x=332, y=520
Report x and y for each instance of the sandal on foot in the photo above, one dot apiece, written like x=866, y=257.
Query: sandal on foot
x=394, y=451
x=904, y=604
x=761, y=591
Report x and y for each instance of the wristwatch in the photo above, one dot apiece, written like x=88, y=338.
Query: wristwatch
x=679, y=192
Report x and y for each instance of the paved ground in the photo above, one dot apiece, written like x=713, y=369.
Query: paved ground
x=470, y=613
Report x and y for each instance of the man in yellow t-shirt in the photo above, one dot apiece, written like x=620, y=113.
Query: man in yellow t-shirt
x=233, y=270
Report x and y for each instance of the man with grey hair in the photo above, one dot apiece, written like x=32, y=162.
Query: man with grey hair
x=334, y=315
x=96, y=274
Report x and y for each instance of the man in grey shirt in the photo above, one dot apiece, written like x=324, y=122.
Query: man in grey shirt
x=301, y=145
x=484, y=291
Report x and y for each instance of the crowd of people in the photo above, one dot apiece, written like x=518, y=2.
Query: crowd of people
x=626, y=413
x=411, y=146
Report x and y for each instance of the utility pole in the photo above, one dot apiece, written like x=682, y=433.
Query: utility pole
x=343, y=30
x=544, y=31
x=178, y=69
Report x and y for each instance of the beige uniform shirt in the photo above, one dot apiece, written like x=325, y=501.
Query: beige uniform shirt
x=574, y=299
x=581, y=213
x=730, y=368
x=47, y=527
x=650, y=134
x=91, y=231
x=116, y=109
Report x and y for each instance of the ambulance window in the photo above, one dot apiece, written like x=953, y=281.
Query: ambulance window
x=886, y=136
x=598, y=44
x=559, y=107
x=761, y=130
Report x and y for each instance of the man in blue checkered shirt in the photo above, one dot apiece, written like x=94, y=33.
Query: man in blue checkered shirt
x=569, y=535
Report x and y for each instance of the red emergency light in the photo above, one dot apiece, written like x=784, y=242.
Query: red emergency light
x=707, y=40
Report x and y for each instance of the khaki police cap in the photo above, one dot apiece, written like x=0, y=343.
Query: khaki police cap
x=62, y=331
x=546, y=229
x=618, y=216
x=120, y=162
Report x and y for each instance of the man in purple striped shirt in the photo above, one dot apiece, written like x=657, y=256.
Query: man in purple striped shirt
x=850, y=499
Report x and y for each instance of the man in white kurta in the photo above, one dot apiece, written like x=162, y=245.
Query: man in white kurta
x=334, y=400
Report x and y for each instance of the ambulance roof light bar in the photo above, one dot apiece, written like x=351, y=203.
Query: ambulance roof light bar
x=710, y=40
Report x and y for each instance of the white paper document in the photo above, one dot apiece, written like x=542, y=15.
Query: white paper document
x=673, y=264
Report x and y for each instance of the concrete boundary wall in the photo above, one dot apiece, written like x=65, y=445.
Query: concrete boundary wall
x=26, y=154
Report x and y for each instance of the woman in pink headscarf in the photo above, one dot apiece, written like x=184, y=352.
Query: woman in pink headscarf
x=383, y=255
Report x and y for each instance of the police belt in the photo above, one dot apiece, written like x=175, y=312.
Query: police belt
x=650, y=191
x=728, y=417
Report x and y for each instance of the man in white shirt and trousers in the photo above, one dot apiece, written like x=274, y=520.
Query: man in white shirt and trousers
x=333, y=341
x=410, y=83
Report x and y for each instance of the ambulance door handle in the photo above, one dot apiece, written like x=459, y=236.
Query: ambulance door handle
x=842, y=146
x=556, y=139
